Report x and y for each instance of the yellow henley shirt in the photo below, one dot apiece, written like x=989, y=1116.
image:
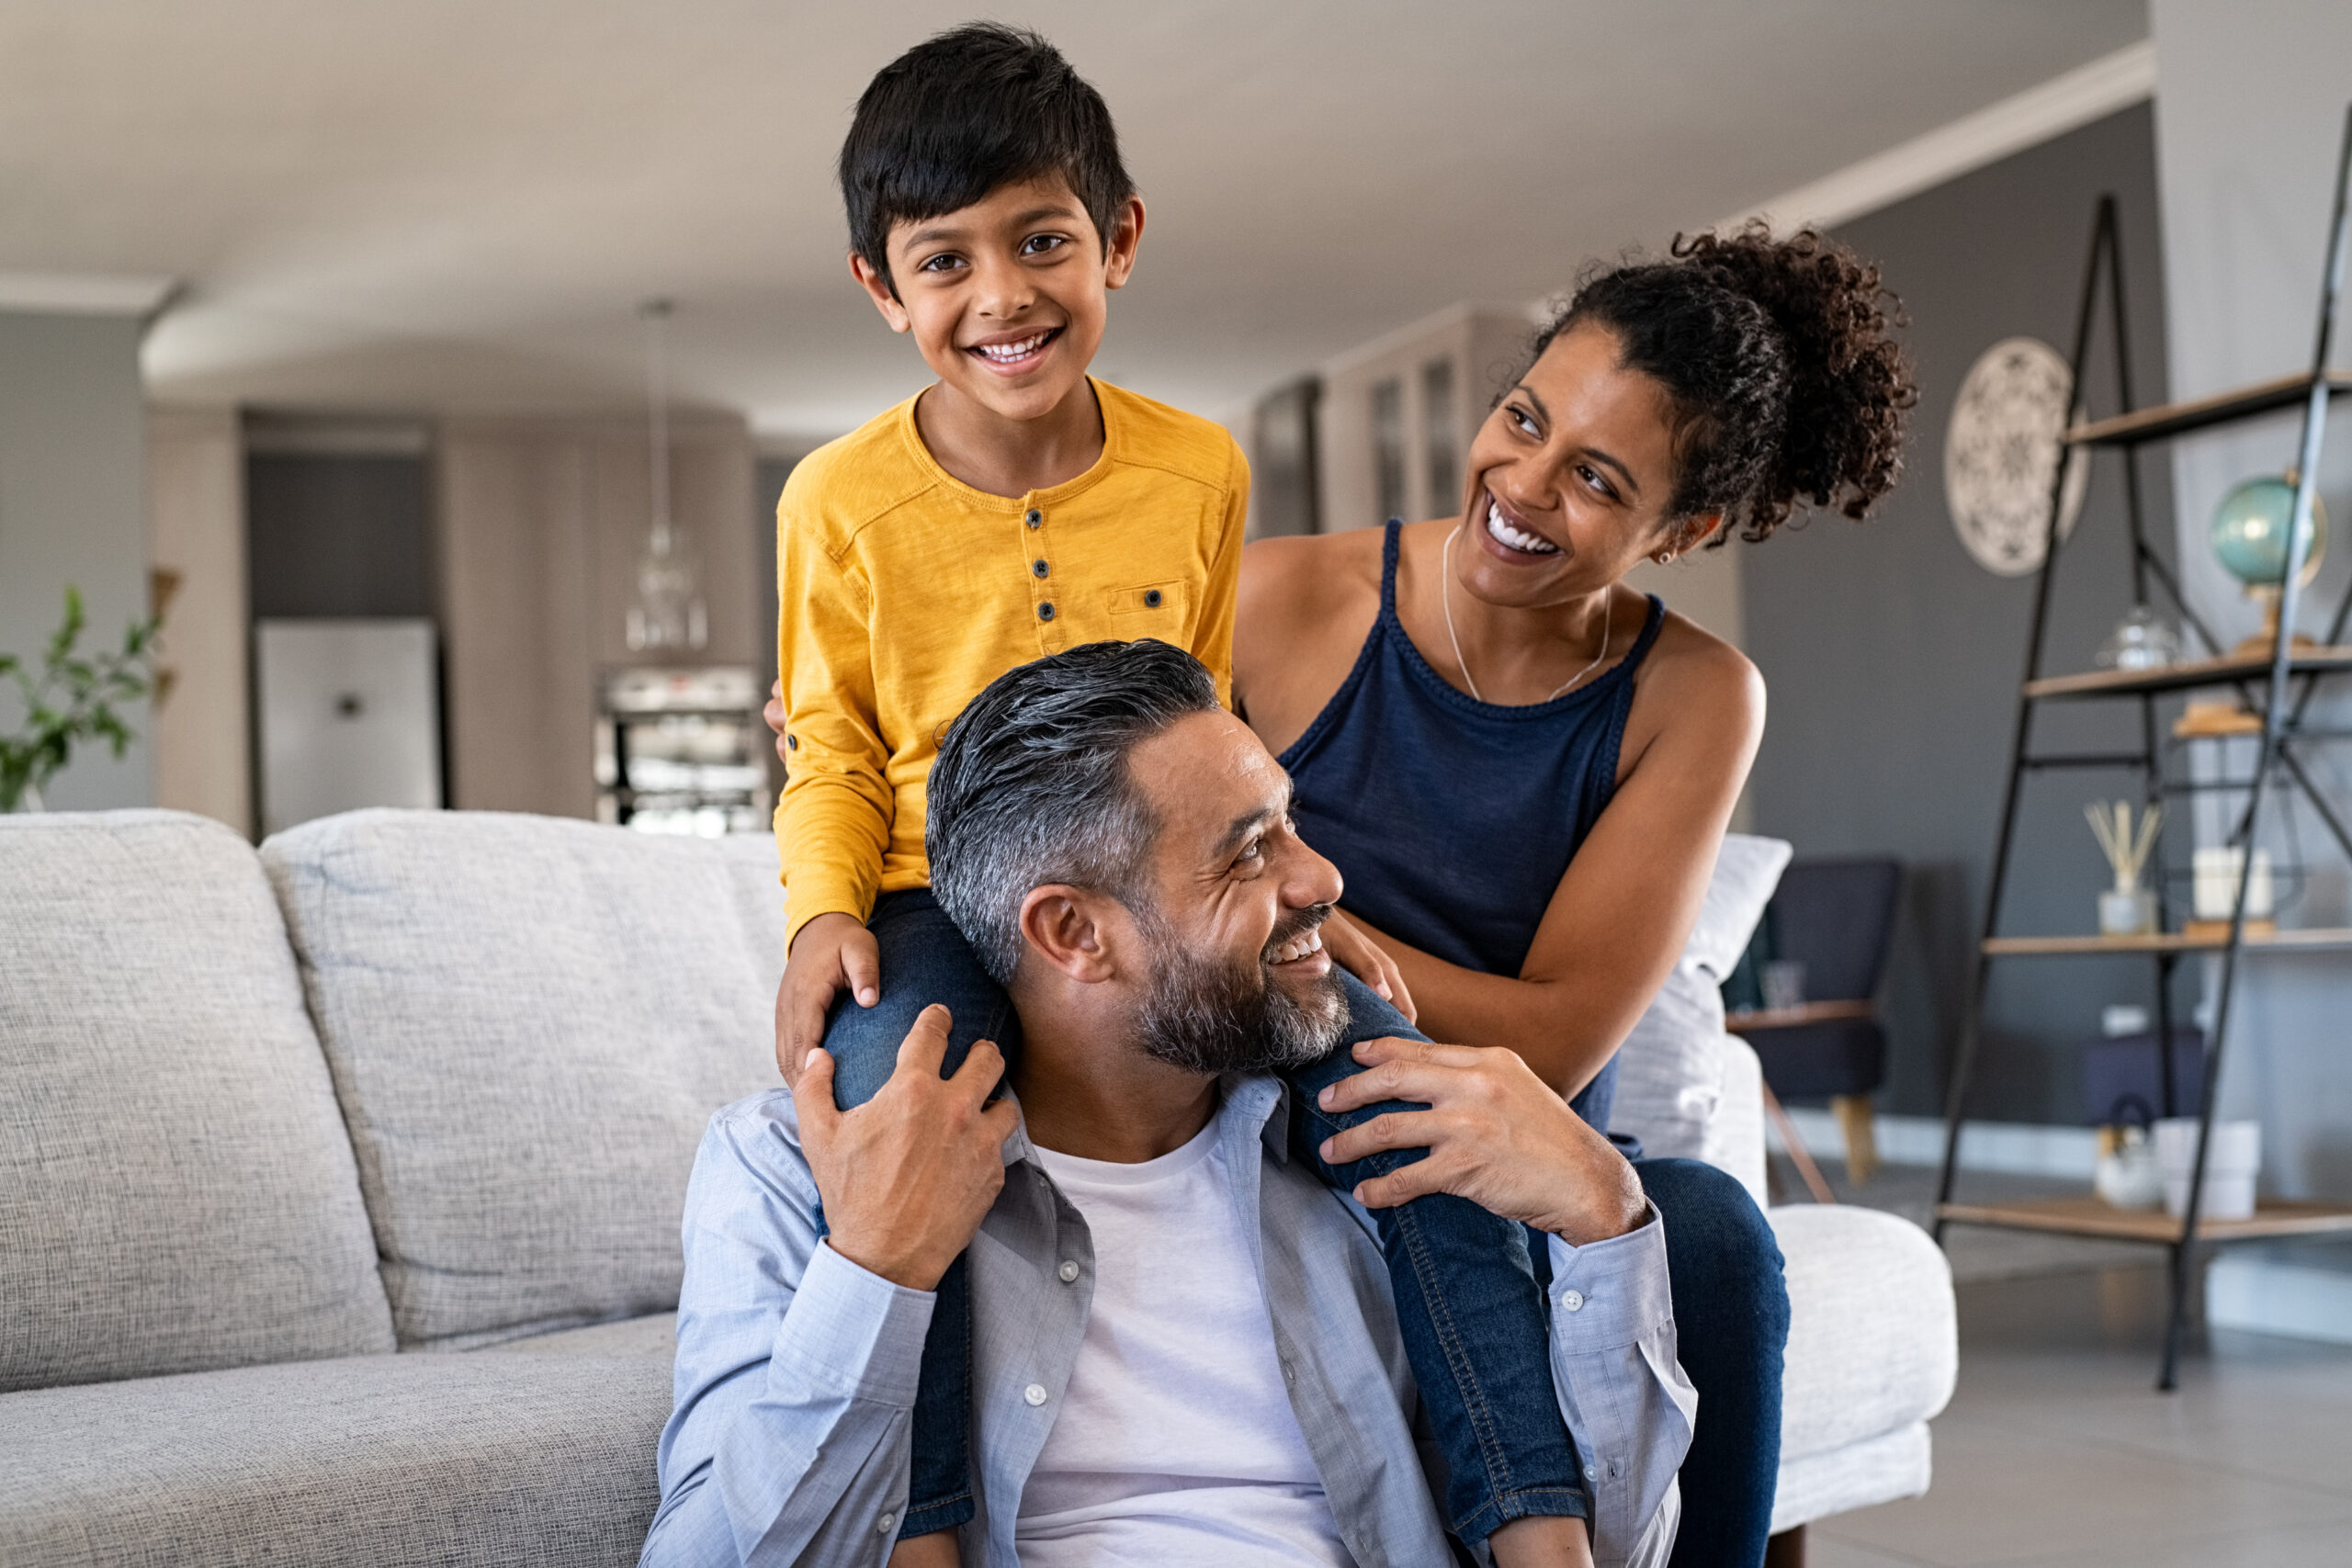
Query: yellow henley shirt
x=904, y=592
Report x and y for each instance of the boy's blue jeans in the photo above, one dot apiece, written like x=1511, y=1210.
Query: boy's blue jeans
x=1468, y=1303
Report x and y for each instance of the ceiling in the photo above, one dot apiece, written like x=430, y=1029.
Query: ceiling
x=456, y=204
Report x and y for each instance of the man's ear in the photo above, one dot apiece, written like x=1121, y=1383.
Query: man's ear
x=1065, y=928
x=877, y=287
x=1119, y=255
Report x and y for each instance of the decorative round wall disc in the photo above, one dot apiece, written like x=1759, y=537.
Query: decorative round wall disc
x=2002, y=451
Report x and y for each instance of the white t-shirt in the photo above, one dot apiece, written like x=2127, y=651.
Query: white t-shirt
x=1175, y=1446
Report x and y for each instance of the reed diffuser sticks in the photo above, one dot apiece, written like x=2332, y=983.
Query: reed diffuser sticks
x=2126, y=846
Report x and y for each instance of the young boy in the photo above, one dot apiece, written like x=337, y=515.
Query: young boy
x=1016, y=508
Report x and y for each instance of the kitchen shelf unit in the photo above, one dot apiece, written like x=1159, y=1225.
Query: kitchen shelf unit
x=2277, y=681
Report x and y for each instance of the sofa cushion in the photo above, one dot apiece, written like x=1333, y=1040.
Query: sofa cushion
x=1670, y=1068
x=176, y=1191
x=486, y=1459
x=1872, y=1345
x=656, y=1336
x=530, y=1021
x=1861, y=1475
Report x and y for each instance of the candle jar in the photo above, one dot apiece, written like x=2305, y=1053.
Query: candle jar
x=2127, y=911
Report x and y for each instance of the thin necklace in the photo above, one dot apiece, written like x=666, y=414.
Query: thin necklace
x=1445, y=603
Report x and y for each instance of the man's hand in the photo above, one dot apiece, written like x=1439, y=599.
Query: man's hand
x=831, y=953
x=1363, y=957
x=1497, y=1134
x=907, y=1177
x=773, y=714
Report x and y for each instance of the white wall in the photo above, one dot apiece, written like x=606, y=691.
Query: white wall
x=2250, y=103
x=195, y=490
x=539, y=523
x=1482, y=344
x=74, y=510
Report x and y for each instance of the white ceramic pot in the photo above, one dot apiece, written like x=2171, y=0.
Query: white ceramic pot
x=2230, y=1167
x=2214, y=871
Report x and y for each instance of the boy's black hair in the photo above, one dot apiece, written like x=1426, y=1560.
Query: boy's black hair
x=959, y=114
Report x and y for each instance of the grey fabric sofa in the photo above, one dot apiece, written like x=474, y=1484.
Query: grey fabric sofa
x=340, y=1182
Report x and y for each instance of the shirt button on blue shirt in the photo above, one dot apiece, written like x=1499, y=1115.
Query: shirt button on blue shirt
x=886, y=1524
x=1069, y=1271
x=1572, y=1301
x=1034, y=1394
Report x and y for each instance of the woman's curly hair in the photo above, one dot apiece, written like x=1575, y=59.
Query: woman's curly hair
x=1777, y=354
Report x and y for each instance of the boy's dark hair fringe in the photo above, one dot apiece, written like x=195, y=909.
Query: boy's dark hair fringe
x=962, y=114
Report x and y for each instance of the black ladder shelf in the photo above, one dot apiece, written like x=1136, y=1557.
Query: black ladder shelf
x=2277, y=683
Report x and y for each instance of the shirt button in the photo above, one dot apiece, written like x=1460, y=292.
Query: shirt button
x=1039, y=566
x=1151, y=598
x=1591, y=1473
x=1069, y=1271
x=886, y=1524
x=1573, y=1301
x=1034, y=1394
x=1036, y=518
x=1290, y=1373
x=1046, y=611
x=792, y=742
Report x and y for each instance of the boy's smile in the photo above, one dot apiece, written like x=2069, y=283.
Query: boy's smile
x=1014, y=354
x=1006, y=299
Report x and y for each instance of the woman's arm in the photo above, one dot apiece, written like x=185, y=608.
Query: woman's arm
x=1626, y=907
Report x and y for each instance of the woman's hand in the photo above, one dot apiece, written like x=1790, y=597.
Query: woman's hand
x=1496, y=1134
x=831, y=953
x=1363, y=957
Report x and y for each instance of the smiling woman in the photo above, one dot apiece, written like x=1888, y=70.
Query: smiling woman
x=1524, y=768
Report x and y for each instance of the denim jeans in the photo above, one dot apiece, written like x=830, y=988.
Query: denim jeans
x=924, y=959
x=1731, y=1319
x=1470, y=1311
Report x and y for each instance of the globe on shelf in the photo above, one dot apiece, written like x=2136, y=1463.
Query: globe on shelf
x=2250, y=536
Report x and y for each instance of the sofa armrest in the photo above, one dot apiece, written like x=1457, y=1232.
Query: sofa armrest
x=1735, y=1136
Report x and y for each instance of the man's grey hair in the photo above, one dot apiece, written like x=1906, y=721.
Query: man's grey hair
x=1031, y=788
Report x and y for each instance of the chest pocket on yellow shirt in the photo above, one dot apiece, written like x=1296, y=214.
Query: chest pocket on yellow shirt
x=1149, y=609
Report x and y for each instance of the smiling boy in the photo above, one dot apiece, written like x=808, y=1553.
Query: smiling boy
x=1016, y=508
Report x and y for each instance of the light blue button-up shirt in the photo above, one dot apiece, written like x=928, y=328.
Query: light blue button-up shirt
x=797, y=1369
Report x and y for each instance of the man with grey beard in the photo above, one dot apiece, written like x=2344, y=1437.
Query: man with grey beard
x=1184, y=1349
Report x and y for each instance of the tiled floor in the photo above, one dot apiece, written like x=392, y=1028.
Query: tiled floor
x=2057, y=1453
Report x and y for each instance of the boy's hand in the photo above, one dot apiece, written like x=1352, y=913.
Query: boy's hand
x=1363, y=957
x=1497, y=1134
x=907, y=1177
x=773, y=714
x=831, y=953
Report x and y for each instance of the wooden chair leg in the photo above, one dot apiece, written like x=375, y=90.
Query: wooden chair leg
x=1798, y=1154
x=1854, y=1118
x=1785, y=1550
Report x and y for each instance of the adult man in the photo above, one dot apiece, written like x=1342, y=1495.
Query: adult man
x=1184, y=1347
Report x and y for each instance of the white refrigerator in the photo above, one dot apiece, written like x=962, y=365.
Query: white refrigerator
x=350, y=716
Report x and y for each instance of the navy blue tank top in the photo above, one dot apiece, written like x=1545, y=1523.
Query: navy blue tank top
x=1453, y=820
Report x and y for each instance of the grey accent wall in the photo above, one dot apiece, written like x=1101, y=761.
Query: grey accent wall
x=2251, y=108
x=1893, y=659
x=74, y=510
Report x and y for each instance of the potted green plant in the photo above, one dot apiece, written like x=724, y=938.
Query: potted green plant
x=68, y=699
